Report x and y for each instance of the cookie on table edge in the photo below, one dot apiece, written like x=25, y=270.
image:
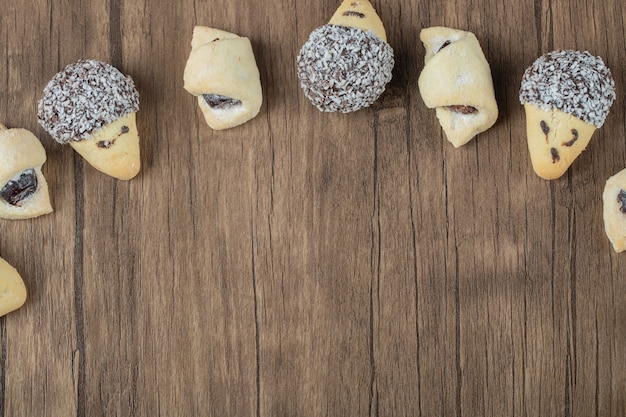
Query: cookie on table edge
x=614, y=210
x=12, y=289
x=23, y=188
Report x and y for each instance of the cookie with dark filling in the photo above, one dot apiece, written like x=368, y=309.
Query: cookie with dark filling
x=345, y=66
x=12, y=289
x=23, y=188
x=222, y=72
x=456, y=82
x=614, y=210
x=92, y=106
x=566, y=96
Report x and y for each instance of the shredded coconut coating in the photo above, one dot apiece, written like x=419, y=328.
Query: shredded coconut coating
x=84, y=97
x=344, y=69
x=574, y=82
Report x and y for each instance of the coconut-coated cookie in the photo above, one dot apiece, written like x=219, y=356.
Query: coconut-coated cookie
x=345, y=66
x=91, y=106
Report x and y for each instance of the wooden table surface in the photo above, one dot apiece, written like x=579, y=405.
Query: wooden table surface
x=312, y=264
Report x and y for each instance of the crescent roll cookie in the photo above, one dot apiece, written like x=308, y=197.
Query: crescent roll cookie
x=345, y=65
x=91, y=106
x=23, y=188
x=222, y=72
x=456, y=81
x=614, y=210
x=567, y=96
x=12, y=289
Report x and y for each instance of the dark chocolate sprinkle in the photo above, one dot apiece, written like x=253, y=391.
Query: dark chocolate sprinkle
x=574, y=139
x=20, y=187
x=544, y=127
x=621, y=199
x=555, y=155
x=125, y=129
x=574, y=82
x=353, y=13
x=83, y=97
x=104, y=144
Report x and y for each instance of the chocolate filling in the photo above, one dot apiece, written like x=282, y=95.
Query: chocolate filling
x=20, y=188
x=446, y=43
x=621, y=199
x=544, y=127
x=216, y=101
x=459, y=108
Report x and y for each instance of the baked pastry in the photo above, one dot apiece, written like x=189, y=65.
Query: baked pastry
x=345, y=65
x=614, y=210
x=12, y=289
x=92, y=106
x=456, y=82
x=23, y=188
x=222, y=72
x=566, y=95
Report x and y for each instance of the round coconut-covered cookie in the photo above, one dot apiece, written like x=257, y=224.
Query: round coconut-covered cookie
x=573, y=82
x=346, y=64
x=91, y=106
x=344, y=69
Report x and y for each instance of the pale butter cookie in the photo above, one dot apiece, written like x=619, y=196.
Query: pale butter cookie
x=456, y=82
x=222, y=72
x=12, y=289
x=23, y=188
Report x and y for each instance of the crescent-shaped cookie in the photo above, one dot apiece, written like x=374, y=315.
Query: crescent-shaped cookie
x=222, y=72
x=23, y=188
x=614, y=210
x=456, y=81
x=12, y=289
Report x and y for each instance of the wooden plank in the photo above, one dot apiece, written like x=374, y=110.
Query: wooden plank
x=308, y=263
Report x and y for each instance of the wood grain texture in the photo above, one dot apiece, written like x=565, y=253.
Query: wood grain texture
x=311, y=264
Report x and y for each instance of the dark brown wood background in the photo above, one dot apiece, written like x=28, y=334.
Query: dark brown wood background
x=310, y=264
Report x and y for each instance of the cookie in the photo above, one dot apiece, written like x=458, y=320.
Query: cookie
x=345, y=66
x=456, y=82
x=222, y=72
x=12, y=289
x=566, y=96
x=92, y=106
x=23, y=188
x=614, y=210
